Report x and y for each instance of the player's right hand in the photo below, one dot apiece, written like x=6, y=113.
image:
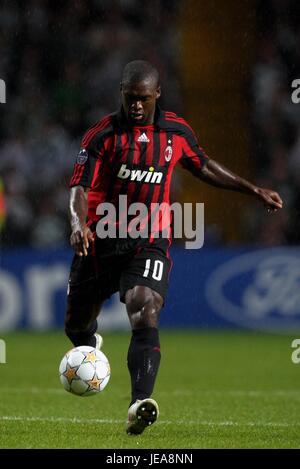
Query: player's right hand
x=81, y=239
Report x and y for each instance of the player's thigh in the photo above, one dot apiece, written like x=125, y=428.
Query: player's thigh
x=148, y=269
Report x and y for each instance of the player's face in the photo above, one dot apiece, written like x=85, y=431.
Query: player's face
x=138, y=101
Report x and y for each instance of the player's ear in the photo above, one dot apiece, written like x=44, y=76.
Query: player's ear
x=121, y=86
x=158, y=92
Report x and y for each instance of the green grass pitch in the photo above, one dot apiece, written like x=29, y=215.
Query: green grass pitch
x=215, y=390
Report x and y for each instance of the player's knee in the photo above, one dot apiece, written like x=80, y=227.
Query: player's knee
x=137, y=298
x=79, y=332
x=74, y=324
x=70, y=328
x=143, y=307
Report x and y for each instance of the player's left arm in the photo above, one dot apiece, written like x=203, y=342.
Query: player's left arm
x=196, y=161
x=218, y=175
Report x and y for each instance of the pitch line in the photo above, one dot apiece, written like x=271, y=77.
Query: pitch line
x=177, y=392
x=241, y=393
x=226, y=423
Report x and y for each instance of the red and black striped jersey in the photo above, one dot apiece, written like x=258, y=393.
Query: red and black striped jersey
x=116, y=159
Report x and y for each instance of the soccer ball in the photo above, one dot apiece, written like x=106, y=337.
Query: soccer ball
x=84, y=371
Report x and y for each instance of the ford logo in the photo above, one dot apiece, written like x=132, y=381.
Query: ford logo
x=260, y=290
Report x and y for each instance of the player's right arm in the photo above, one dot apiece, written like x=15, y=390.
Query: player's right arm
x=81, y=236
x=85, y=167
x=80, y=184
x=85, y=172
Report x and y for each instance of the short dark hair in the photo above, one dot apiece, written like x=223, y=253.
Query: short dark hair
x=139, y=70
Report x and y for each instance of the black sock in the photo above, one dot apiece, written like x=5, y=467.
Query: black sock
x=85, y=337
x=143, y=362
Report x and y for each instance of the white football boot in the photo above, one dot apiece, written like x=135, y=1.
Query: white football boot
x=99, y=341
x=141, y=414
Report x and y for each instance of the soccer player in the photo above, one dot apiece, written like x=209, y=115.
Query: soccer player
x=132, y=153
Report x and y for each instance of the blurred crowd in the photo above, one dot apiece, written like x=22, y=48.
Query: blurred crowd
x=62, y=63
x=276, y=120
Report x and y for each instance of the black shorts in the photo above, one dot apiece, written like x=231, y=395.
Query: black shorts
x=119, y=266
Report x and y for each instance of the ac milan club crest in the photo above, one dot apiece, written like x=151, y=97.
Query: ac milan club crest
x=168, y=153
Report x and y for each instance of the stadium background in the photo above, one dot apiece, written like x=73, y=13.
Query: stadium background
x=228, y=71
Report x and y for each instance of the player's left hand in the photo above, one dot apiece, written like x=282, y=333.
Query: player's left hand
x=270, y=199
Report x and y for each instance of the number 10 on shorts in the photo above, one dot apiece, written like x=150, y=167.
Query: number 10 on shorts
x=158, y=268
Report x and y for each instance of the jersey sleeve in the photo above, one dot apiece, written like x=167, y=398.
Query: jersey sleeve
x=193, y=156
x=87, y=164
